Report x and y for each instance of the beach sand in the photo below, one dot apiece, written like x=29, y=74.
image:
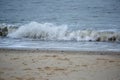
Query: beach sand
x=59, y=65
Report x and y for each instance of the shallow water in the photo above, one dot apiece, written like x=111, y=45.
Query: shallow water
x=59, y=45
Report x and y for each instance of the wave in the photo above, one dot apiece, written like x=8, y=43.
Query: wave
x=49, y=31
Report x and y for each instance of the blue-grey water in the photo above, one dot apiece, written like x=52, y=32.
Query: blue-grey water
x=61, y=24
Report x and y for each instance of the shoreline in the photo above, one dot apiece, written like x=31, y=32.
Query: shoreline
x=23, y=50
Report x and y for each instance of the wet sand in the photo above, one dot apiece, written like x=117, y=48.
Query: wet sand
x=58, y=65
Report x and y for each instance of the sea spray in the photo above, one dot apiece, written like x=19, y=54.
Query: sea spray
x=50, y=31
x=45, y=31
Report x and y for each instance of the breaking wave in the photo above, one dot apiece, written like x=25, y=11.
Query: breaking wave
x=49, y=31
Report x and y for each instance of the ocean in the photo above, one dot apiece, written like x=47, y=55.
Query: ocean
x=81, y=25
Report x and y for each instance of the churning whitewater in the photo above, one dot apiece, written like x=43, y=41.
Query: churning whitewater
x=49, y=31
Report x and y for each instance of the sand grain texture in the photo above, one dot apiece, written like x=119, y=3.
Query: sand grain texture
x=57, y=65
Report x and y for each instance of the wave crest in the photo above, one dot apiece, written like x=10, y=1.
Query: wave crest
x=49, y=31
x=40, y=31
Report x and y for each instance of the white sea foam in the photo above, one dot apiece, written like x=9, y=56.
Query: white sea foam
x=44, y=31
x=49, y=31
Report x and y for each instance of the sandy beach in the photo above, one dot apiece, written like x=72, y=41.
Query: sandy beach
x=59, y=65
